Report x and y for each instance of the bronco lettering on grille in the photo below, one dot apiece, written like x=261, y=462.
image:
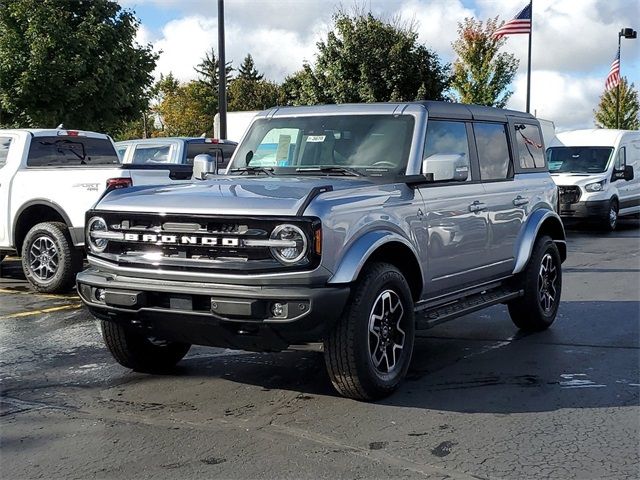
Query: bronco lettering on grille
x=182, y=239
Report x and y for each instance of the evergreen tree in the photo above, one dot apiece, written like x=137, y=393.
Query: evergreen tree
x=247, y=70
x=628, y=116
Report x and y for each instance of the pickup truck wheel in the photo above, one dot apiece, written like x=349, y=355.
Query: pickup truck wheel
x=134, y=350
x=542, y=284
x=49, y=260
x=368, y=352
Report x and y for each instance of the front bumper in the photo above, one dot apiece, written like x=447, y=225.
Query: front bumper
x=586, y=209
x=222, y=315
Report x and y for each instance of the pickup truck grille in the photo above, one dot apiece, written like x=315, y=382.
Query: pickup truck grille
x=569, y=194
x=197, y=243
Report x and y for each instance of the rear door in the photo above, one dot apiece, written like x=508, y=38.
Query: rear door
x=505, y=198
x=9, y=158
x=69, y=172
x=456, y=225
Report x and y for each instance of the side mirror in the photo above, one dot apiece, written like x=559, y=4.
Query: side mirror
x=628, y=172
x=203, y=165
x=445, y=167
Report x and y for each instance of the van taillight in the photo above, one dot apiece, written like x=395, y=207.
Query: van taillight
x=114, y=183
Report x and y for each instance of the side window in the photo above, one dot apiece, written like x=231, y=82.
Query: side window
x=5, y=143
x=530, y=151
x=621, y=159
x=121, y=150
x=446, y=151
x=152, y=154
x=493, y=150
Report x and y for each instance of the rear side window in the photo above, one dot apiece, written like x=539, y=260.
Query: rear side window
x=530, y=150
x=151, y=154
x=446, y=151
x=493, y=150
x=62, y=151
x=5, y=143
x=194, y=149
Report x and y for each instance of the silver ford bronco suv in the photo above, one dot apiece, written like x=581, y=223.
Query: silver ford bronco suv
x=350, y=225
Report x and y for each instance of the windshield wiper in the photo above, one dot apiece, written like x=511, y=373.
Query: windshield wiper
x=331, y=169
x=265, y=170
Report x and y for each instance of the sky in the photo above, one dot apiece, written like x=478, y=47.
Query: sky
x=573, y=42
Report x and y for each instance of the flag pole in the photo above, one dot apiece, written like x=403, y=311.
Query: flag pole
x=529, y=62
x=618, y=86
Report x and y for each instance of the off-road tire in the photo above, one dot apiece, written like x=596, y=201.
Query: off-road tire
x=69, y=258
x=527, y=312
x=609, y=221
x=132, y=349
x=347, y=349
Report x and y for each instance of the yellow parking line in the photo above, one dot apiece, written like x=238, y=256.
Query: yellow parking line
x=43, y=295
x=72, y=306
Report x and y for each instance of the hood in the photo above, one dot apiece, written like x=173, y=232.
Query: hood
x=579, y=179
x=228, y=195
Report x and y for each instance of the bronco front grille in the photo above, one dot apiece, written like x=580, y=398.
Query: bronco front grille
x=569, y=194
x=197, y=243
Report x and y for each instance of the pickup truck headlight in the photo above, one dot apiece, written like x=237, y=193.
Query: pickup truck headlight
x=293, y=244
x=96, y=225
x=595, y=187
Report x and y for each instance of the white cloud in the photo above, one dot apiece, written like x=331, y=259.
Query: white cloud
x=565, y=99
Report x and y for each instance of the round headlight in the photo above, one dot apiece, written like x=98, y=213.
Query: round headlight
x=96, y=224
x=293, y=243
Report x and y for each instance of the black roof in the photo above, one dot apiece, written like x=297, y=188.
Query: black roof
x=470, y=112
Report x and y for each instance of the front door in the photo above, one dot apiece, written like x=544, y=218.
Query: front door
x=455, y=219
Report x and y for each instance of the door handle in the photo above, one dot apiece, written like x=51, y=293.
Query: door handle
x=477, y=206
x=520, y=201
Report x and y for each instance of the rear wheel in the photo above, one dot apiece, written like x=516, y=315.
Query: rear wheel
x=134, y=350
x=49, y=260
x=542, y=283
x=368, y=352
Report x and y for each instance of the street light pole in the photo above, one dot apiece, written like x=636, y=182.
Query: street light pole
x=222, y=73
x=626, y=33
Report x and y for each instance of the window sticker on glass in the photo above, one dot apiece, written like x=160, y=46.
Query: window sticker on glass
x=283, y=148
x=315, y=138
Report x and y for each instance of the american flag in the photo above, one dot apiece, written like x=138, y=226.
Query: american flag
x=520, y=24
x=613, y=79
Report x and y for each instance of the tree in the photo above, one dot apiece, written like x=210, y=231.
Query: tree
x=629, y=107
x=245, y=94
x=77, y=63
x=365, y=59
x=181, y=110
x=481, y=75
x=248, y=70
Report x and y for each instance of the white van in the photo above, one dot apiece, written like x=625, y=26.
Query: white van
x=594, y=170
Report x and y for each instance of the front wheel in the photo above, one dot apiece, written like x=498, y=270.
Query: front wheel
x=368, y=352
x=542, y=283
x=610, y=220
x=134, y=350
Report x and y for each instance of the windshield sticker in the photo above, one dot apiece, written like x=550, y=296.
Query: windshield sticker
x=315, y=138
x=283, y=147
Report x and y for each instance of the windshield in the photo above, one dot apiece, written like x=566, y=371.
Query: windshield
x=373, y=145
x=578, y=159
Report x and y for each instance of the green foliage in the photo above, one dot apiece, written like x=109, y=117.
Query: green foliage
x=181, y=110
x=246, y=94
x=365, y=59
x=71, y=62
x=481, y=75
x=247, y=70
x=629, y=108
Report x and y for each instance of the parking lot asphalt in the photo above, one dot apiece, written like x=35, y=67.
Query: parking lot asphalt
x=481, y=399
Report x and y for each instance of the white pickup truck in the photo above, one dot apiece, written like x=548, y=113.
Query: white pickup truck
x=48, y=180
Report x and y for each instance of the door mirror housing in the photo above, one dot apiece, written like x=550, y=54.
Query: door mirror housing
x=203, y=165
x=628, y=172
x=446, y=167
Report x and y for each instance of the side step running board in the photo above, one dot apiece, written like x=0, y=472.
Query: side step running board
x=427, y=317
